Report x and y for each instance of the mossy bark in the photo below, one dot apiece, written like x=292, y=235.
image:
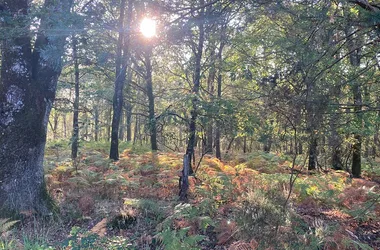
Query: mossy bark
x=27, y=91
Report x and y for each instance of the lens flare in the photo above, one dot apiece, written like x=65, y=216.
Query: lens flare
x=148, y=27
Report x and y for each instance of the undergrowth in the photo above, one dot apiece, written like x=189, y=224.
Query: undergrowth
x=239, y=204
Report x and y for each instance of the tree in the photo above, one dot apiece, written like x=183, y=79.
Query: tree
x=29, y=77
x=75, y=136
x=149, y=90
x=198, y=51
x=122, y=57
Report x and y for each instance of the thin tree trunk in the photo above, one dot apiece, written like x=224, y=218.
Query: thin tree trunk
x=194, y=112
x=64, y=126
x=128, y=106
x=137, y=129
x=218, y=153
x=121, y=66
x=311, y=124
x=75, y=136
x=85, y=126
x=54, y=126
x=180, y=143
x=312, y=154
x=149, y=90
x=109, y=122
x=96, y=121
x=355, y=54
x=300, y=148
x=129, y=122
x=121, y=128
x=210, y=89
x=229, y=145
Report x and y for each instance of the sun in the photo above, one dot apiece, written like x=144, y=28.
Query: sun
x=148, y=27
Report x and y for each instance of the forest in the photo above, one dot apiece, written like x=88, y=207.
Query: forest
x=190, y=124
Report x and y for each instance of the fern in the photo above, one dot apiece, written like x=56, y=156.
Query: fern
x=6, y=224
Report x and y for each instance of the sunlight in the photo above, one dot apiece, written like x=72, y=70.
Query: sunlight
x=148, y=27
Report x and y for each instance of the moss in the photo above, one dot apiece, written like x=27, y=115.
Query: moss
x=46, y=207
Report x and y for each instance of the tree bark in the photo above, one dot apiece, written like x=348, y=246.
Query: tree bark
x=129, y=122
x=357, y=145
x=194, y=112
x=27, y=91
x=64, y=126
x=128, y=106
x=149, y=91
x=96, y=121
x=355, y=56
x=121, y=66
x=75, y=136
x=121, y=127
x=136, y=130
x=218, y=153
x=210, y=89
x=313, y=154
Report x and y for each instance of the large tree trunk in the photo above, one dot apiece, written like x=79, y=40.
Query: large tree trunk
x=27, y=91
x=75, y=136
x=121, y=66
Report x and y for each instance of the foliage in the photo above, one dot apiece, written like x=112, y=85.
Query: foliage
x=260, y=212
x=178, y=239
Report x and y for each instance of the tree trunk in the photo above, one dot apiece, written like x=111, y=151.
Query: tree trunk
x=312, y=123
x=27, y=91
x=54, y=126
x=75, y=136
x=210, y=89
x=300, y=148
x=96, y=121
x=149, y=91
x=121, y=128
x=229, y=145
x=64, y=126
x=195, y=91
x=313, y=154
x=85, y=126
x=355, y=55
x=128, y=106
x=121, y=66
x=218, y=153
x=108, y=117
x=357, y=145
x=129, y=122
x=136, y=130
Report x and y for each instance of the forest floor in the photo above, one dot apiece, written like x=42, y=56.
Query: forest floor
x=237, y=204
